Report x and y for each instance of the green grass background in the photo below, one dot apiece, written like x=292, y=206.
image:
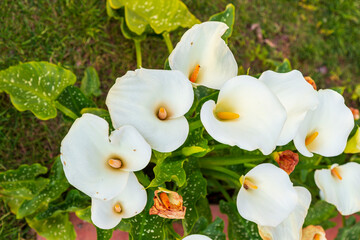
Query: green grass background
x=320, y=38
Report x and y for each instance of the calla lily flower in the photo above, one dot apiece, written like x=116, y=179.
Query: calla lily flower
x=340, y=186
x=154, y=102
x=291, y=227
x=247, y=114
x=203, y=56
x=295, y=94
x=130, y=202
x=196, y=237
x=267, y=196
x=325, y=130
x=312, y=232
x=93, y=162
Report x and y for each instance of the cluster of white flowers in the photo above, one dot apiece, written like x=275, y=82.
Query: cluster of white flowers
x=147, y=110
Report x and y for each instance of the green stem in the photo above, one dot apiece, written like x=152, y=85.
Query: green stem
x=138, y=53
x=221, y=169
x=65, y=110
x=222, y=190
x=173, y=233
x=221, y=176
x=195, y=125
x=168, y=42
x=343, y=221
x=224, y=161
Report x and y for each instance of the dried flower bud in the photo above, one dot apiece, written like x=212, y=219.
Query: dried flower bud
x=311, y=81
x=312, y=232
x=287, y=160
x=168, y=204
x=355, y=113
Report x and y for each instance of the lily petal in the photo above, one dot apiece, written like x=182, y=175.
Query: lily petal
x=261, y=115
x=196, y=237
x=291, y=227
x=273, y=200
x=333, y=122
x=295, y=94
x=202, y=45
x=344, y=193
x=136, y=98
x=132, y=201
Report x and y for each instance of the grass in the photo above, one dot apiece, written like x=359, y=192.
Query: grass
x=321, y=39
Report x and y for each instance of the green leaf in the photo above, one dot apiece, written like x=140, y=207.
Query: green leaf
x=34, y=86
x=238, y=228
x=84, y=214
x=215, y=230
x=349, y=233
x=90, y=84
x=115, y=4
x=227, y=17
x=161, y=15
x=353, y=145
x=129, y=34
x=74, y=201
x=196, y=144
x=54, y=228
x=339, y=90
x=75, y=100
x=57, y=185
x=98, y=112
x=145, y=226
x=284, y=67
x=104, y=234
x=321, y=211
x=194, y=189
x=167, y=170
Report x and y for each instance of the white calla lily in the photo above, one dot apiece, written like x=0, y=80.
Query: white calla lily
x=295, y=94
x=340, y=186
x=196, y=237
x=325, y=130
x=93, y=161
x=154, y=102
x=247, y=114
x=291, y=227
x=267, y=196
x=128, y=203
x=203, y=56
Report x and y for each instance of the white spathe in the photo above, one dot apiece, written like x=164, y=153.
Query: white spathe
x=291, y=227
x=196, y=237
x=87, y=148
x=131, y=200
x=261, y=115
x=273, y=200
x=295, y=94
x=344, y=193
x=136, y=98
x=333, y=122
x=202, y=45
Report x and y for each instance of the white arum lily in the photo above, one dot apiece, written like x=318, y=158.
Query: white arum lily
x=203, y=56
x=97, y=164
x=295, y=94
x=267, y=196
x=128, y=203
x=247, y=114
x=325, y=130
x=340, y=186
x=154, y=102
x=197, y=237
x=291, y=227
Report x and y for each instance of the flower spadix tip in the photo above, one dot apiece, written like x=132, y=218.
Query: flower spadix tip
x=310, y=138
x=117, y=208
x=311, y=82
x=162, y=114
x=317, y=237
x=227, y=115
x=335, y=173
x=246, y=183
x=115, y=163
x=194, y=75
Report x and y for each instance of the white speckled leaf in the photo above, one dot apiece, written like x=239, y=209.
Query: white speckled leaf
x=228, y=17
x=54, y=228
x=162, y=15
x=34, y=86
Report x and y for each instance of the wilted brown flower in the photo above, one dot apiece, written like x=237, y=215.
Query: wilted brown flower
x=311, y=81
x=355, y=113
x=287, y=160
x=312, y=232
x=168, y=204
